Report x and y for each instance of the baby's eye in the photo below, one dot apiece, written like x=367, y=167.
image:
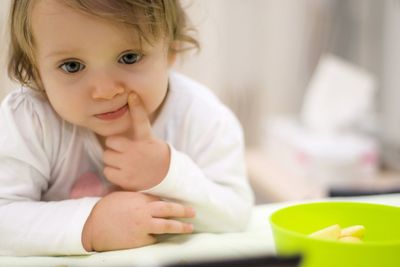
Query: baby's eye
x=72, y=66
x=130, y=58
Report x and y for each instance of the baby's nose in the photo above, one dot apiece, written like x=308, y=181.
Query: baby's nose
x=107, y=92
x=106, y=87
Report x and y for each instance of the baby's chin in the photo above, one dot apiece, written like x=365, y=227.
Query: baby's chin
x=105, y=134
x=120, y=128
x=101, y=137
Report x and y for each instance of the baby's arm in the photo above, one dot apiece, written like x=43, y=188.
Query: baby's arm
x=208, y=175
x=31, y=226
x=124, y=220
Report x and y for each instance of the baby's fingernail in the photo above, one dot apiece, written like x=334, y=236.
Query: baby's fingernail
x=189, y=227
x=190, y=212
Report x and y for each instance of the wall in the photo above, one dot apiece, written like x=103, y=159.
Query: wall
x=258, y=55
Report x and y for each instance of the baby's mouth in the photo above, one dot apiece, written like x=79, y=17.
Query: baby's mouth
x=112, y=115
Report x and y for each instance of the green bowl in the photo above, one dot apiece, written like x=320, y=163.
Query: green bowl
x=381, y=243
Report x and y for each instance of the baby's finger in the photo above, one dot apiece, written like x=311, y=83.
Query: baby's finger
x=165, y=226
x=141, y=126
x=149, y=198
x=114, y=176
x=162, y=209
x=112, y=158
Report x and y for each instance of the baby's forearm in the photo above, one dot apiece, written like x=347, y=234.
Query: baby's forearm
x=43, y=228
x=223, y=202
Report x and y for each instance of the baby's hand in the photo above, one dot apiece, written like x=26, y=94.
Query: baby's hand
x=123, y=220
x=141, y=161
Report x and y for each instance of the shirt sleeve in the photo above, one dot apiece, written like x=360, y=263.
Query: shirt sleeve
x=210, y=175
x=29, y=226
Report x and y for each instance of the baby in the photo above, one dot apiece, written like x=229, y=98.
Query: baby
x=105, y=147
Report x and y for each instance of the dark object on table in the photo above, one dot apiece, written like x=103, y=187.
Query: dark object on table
x=264, y=261
x=342, y=192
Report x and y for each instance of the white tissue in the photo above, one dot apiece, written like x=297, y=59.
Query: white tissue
x=339, y=96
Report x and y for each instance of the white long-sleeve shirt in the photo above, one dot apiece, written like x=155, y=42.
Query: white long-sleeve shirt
x=42, y=155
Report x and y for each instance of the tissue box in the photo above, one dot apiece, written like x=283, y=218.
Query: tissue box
x=330, y=159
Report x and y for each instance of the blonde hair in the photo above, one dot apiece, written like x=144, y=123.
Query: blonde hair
x=153, y=19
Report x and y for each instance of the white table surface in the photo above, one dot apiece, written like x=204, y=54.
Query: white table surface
x=255, y=241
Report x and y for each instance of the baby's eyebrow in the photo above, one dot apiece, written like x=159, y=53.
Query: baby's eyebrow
x=60, y=53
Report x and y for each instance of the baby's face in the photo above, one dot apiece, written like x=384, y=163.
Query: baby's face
x=88, y=66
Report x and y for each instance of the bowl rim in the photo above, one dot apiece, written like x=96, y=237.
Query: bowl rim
x=311, y=239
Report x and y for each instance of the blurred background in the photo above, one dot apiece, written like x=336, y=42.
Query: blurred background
x=314, y=84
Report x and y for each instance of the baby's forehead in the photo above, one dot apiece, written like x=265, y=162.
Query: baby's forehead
x=144, y=20
x=69, y=21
